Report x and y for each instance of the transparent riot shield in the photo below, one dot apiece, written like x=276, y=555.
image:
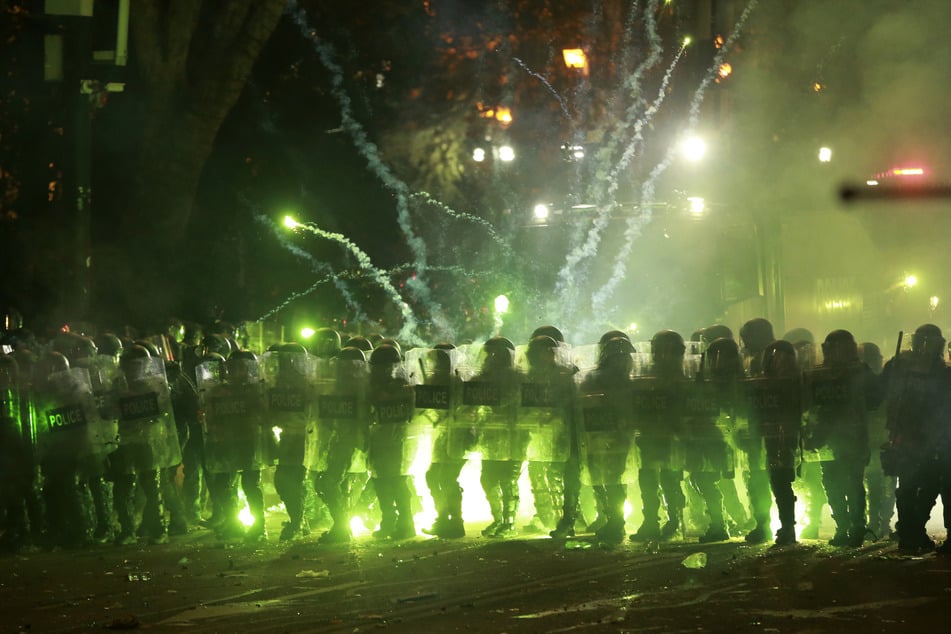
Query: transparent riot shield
x=775, y=419
x=703, y=437
x=69, y=425
x=290, y=381
x=234, y=420
x=545, y=405
x=606, y=432
x=342, y=418
x=146, y=421
x=485, y=421
x=393, y=438
x=659, y=422
x=13, y=455
x=437, y=378
x=836, y=401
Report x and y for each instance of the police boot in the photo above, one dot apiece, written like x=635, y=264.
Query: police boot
x=612, y=533
x=786, y=505
x=454, y=528
x=601, y=506
x=761, y=503
x=713, y=500
x=102, y=501
x=674, y=523
x=124, y=497
x=403, y=498
x=154, y=526
x=251, y=484
x=509, y=511
x=289, y=483
x=494, y=497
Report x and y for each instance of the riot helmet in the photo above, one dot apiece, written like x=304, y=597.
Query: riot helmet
x=215, y=343
x=667, y=351
x=148, y=345
x=385, y=354
x=326, y=343
x=541, y=351
x=839, y=348
x=350, y=353
x=241, y=366
x=360, y=342
x=614, y=355
x=928, y=341
x=548, y=331
x=871, y=354
x=756, y=334
x=722, y=358
x=133, y=361
x=109, y=345
x=389, y=341
x=779, y=360
x=48, y=364
x=499, y=354
x=717, y=331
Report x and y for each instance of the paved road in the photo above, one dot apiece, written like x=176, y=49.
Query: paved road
x=195, y=584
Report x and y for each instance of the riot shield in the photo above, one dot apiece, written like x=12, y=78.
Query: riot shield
x=290, y=379
x=438, y=391
x=836, y=402
x=775, y=416
x=606, y=432
x=234, y=418
x=69, y=426
x=394, y=435
x=487, y=415
x=342, y=417
x=14, y=459
x=545, y=407
x=146, y=420
x=704, y=434
x=658, y=409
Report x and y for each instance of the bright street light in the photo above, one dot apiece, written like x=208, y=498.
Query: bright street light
x=506, y=153
x=696, y=205
x=694, y=148
x=541, y=212
x=825, y=154
x=478, y=155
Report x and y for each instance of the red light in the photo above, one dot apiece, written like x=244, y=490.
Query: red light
x=908, y=171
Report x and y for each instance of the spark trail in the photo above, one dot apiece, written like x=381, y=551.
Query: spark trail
x=569, y=272
x=427, y=199
x=316, y=266
x=544, y=81
x=371, y=154
x=408, y=331
x=636, y=224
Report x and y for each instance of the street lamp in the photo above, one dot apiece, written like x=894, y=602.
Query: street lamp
x=506, y=154
x=825, y=154
x=697, y=205
x=541, y=211
x=693, y=148
x=478, y=155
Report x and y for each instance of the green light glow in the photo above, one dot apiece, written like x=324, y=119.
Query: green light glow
x=501, y=304
x=290, y=223
x=307, y=333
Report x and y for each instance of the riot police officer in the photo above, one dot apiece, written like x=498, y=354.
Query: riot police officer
x=547, y=405
x=659, y=412
x=880, y=487
x=437, y=397
x=607, y=428
x=237, y=438
x=809, y=483
x=493, y=393
x=756, y=334
x=290, y=374
x=14, y=460
x=841, y=392
x=775, y=415
x=342, y=420
x=148, y=443
x=916, y=388
x=393, y=441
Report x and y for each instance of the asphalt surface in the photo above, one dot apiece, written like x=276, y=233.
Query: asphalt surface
x=523, y=584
